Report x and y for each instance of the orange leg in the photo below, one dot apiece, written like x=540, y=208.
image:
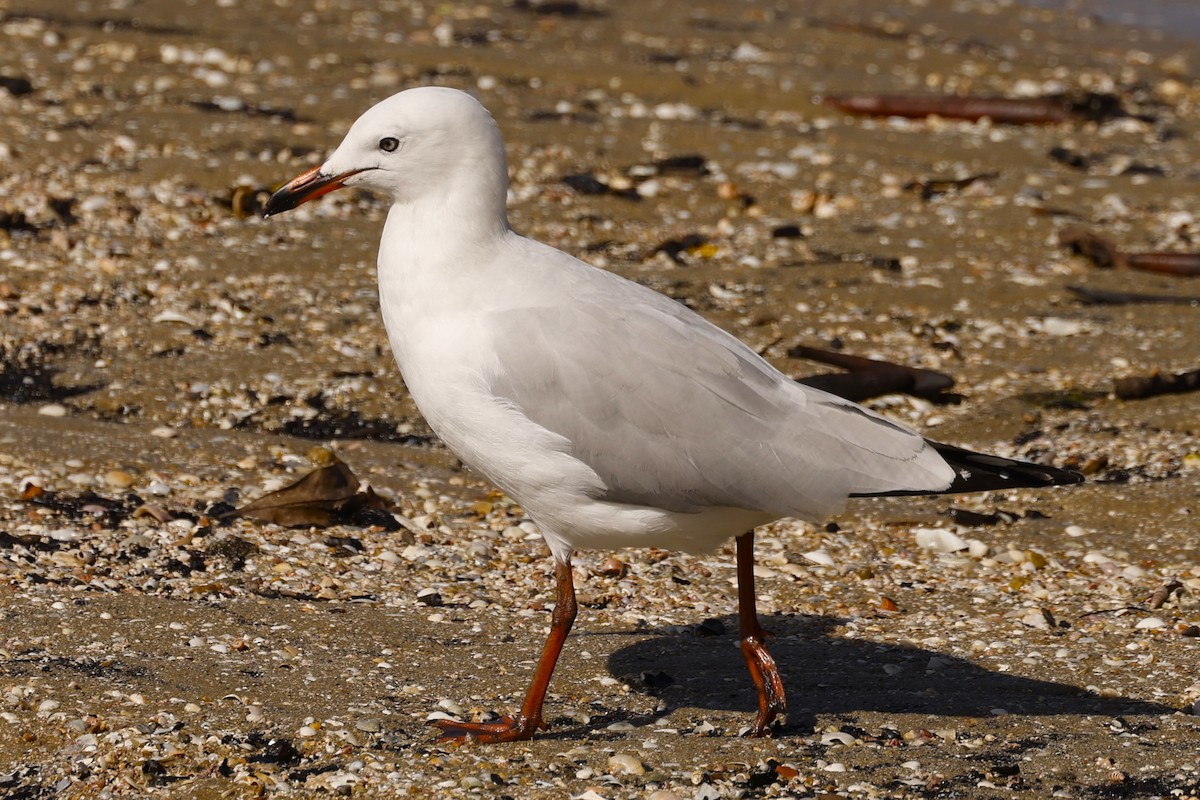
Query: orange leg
x=764, y=673
x=529, y=720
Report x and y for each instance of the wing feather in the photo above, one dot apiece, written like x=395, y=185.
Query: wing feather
x=672, y=412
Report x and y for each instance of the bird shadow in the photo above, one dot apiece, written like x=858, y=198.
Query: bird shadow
x=828, y=675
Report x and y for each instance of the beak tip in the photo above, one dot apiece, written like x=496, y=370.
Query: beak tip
x=279, y=202
x=304, y=187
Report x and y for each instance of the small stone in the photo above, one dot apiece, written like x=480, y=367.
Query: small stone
x=429, y=597
x=837, y=737
x=820, y=557
x=613, y=567
x=414, y=552
x=625, y=764
x=747, y=52
x=163, y=432
x=53, y=410
x=1038, y=618
x=175, y=317
x=1056, y=326
x=480, y=549
x=1150, y=623
x=118, y=479
x=728, y=190
x=349, y=737
x=939, y=540
x=451, y=707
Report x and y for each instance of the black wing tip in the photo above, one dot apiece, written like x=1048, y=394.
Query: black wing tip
x=981, y=472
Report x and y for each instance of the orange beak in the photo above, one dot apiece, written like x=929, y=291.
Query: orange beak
x=304, y=187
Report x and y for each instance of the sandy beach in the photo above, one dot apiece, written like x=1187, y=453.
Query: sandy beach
x=167, y=356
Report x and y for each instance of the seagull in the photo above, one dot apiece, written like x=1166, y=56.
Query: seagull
x=614, y=415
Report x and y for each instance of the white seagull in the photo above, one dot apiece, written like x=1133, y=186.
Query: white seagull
x=614, y=415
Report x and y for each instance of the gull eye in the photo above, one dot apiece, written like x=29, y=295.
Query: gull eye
x=388, y=144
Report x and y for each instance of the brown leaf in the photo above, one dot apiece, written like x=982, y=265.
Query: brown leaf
x=152, y=510
x=323, y=497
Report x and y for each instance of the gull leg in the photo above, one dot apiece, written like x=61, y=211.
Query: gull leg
x=764, y=673
x=529, y=720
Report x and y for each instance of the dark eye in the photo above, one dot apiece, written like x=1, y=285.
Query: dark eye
x=388, y=144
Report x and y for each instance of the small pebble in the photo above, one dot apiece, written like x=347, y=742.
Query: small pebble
x=939, y=540
x=625, y=764
x=820, y=557
x=837, y=737
x=118, y=479
x=1038, y=618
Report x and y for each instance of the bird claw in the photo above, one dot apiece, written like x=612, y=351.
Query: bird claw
x=764, y=727
x=506, y=729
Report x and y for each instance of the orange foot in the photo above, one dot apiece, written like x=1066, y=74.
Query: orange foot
x=763, y=727
x=507, y=729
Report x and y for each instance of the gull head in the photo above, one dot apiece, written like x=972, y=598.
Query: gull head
x=426, y=143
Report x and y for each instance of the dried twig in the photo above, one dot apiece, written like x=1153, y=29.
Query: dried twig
x=1017, y=111
x=868, y=377
x=1100, y=297
x=1138, y=387
x=1104, y=253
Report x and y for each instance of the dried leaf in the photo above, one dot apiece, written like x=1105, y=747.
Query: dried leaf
x=328, y=495
x=152, y=510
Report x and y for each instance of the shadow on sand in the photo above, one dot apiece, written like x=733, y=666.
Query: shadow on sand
x=825, y=675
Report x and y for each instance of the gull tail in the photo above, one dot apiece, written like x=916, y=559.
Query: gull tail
x=980, y=472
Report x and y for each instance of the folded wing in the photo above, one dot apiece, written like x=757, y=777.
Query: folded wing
x=672, y=412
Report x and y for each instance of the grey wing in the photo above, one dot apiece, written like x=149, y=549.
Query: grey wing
x=672, y=412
